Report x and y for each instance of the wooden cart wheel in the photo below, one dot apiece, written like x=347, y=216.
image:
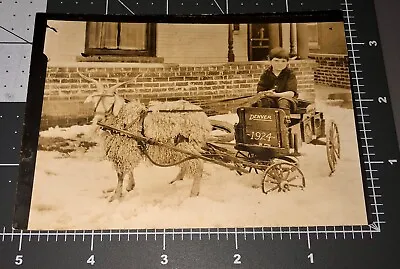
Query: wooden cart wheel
x=332, y=146
x=282, y=177
x=249, y=157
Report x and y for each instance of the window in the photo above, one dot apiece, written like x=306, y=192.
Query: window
x=123, y=39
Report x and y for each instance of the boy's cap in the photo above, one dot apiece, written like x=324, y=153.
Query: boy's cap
x=278, y=52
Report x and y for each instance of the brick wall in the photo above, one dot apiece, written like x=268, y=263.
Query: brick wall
x=65, y=90
x=332, y=70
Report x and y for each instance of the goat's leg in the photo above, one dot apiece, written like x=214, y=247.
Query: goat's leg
x=118, y=190
x=197, y=175
x=180, y=175
x=195, y=186
x=131, y=182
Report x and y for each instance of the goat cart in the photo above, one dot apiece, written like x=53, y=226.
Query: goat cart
x=265, y=142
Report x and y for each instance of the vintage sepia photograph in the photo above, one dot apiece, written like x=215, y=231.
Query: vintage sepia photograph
x=196, y=125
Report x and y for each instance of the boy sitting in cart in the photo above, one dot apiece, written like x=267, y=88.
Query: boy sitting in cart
x=277, y=87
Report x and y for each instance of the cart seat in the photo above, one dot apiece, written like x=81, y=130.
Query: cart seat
x=304, y=107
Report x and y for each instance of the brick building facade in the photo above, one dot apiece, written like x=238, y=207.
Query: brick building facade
x=329, y=49
x=332, y=70
x=66, y=90
x=177, y=61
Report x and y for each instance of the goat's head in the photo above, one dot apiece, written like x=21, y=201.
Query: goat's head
x=105, y=102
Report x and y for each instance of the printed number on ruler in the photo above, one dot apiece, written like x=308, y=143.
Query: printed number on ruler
x=164, y=259
x=373, y=43
x=19, y=259
x=382, y=100
x=311, y=257
x=237, y=258
x=91, y=260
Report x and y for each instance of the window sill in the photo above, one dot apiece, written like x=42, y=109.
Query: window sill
x=119, y=59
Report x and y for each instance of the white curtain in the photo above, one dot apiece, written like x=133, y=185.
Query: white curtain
x=104, y=35
x=133, y=36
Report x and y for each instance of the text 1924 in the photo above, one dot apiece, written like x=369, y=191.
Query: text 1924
x=260, y=136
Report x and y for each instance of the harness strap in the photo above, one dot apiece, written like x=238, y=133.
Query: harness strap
x=101, y=99
x=97, y=104
x=143, y=149
x=142, y=117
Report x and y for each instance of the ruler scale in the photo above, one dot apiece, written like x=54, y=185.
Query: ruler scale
x=355, y=246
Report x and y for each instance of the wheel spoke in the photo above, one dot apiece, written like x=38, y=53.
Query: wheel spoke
x=333, y=155
x=272, y=181
x=337, y=154
x=287, y=174
x=296, y=186
x=293, y=178
x=275, y=176
x=272, y=189
x=333, y=146
x=282, y=176
x=280, y=172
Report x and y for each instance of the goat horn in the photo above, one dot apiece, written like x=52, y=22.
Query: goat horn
x=113, y=88
x=98, y=84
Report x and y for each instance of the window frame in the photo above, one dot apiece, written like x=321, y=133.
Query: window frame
x=150, y=50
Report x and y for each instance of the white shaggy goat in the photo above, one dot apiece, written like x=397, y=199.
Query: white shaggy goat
x=188, y=131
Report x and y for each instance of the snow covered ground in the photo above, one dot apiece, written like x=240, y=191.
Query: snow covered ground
x=68, y=190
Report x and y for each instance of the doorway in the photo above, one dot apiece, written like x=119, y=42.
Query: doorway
x=258, y=42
